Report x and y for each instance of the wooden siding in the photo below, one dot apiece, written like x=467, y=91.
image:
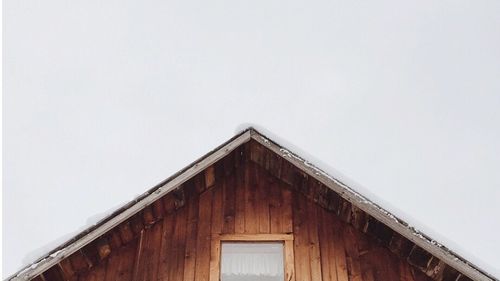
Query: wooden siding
x=176, y=246
x=251, y=191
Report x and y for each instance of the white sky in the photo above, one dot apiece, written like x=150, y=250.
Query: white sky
x=104, y=99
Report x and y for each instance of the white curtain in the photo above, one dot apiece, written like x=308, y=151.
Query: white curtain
x=252, y=261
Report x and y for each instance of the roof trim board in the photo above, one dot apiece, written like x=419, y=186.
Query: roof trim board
x=129, y=209
x=171, y=183
x=384, y=216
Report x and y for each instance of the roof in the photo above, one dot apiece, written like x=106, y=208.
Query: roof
x=333, y=183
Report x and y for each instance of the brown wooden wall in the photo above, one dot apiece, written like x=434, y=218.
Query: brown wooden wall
x=173, y=241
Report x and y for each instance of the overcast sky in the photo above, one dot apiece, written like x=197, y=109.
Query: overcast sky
x=104, y=99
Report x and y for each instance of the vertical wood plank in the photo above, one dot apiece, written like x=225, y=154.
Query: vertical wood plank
x=166, y=260
x=217, y=210
x=199, y=183
x=125, y=269
x=148, y=217
x=262, y=198
x=158, y=210
x=289, y=261
x=275, y=208
x=78, y=262
x=340, y=252
x=314, y=247
x=216, y=229
x=177, y=254
x=351, y=247
x=204, y=237
x=215, y=259
x=209, y=176
x=169, y=202
x=148, y=261
x=327, y=244
x=136, y=224
x=126, y=233
x=286, y=211
x=113, y=263
x=240, y=200
x=114, y=239
x=251, y=219
x=324, y=241
x=138, y=253
x=121, y=263
x=229, y=197
x=113, y=266
x=191, y=235
x=301, y=238
x=68, y=271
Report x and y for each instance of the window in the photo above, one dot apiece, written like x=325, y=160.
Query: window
x=256, y=257
x=255, y=261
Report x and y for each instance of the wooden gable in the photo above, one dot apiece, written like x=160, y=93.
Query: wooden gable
x=251, y=190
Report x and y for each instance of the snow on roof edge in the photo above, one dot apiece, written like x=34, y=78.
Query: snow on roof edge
x=58, y=251
x=367, y=197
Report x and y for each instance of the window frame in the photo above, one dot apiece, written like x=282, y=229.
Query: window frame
x=286, y=239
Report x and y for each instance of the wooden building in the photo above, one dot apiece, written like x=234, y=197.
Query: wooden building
x=252, y=191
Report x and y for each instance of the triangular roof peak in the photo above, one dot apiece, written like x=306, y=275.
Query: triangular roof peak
x=376, y=220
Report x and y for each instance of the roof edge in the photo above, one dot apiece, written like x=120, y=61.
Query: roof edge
x=398, y=225
x=131, y=208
